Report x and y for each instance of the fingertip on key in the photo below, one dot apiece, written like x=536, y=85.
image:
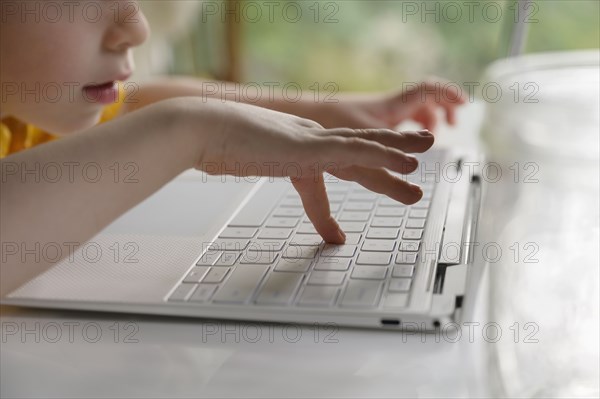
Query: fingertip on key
x=417, y=190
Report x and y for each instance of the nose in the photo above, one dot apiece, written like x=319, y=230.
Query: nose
x=129, y=27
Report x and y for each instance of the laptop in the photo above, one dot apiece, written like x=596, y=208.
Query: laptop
x=243, y=249
x=214, y=247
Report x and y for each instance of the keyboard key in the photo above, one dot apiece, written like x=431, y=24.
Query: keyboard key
x=216, y=275
x=203, y=293
x=339, y=264
x=326, y=278
x=238, y=232
x=231, y=244
x=352, y=238
x=227, y=259
x=293, y=265
x=354, y=216
x=358, y=206
x=182, y=292
x=409, y=246
x=341, y=251
x=374, y=258
x=406, y=258
x=282, y=222
x=412, y=234
x=258, y=258
x=334, y=207
x=362, y=293
x=404, y=271
x=391, y=202
x=418, y=213
x=336, y=197
x=306, y=228
x=335, y=185
x=369, y=273
x=275, y=233
x=380, y=232
x=300, y=252
x=291, y=203
x=209, y=258
x=241, y=284
x=266, y=246
x=279, y=289
x=390, y=212
x=352, y=227
x=415, y=223
x=422, y=204
x=386, y=222
x=315, y=295
x=196, y=274
x=306, y=239
x=395, y=300
x=378, y=245
x=288, y=212
x=399, y=284
x=362, y=196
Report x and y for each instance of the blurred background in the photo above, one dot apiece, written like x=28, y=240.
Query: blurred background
x=361, y=45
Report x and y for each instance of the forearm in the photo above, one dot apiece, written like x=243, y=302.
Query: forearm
x=76, y=186
x=171, y=87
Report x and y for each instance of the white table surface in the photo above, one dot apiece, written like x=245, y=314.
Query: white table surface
x=176, y=357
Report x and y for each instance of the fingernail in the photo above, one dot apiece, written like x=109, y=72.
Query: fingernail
x=342, y=235
x=424, y=133
x=416, y=189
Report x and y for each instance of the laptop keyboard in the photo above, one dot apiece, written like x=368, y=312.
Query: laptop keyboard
x=277, y=258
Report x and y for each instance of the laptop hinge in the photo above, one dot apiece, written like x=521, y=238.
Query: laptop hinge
x=468, y=226
x=452, y=248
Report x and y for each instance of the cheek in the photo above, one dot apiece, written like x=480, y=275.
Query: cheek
x=42, y=71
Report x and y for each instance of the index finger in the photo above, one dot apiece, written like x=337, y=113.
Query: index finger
x=316, y=205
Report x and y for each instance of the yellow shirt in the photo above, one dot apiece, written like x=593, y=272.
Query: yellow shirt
x=16, y=135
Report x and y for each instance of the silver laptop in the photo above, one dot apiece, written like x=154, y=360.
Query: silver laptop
x=204, y=247
x=244, y=250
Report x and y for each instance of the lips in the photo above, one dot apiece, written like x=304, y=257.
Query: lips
x=104, y=93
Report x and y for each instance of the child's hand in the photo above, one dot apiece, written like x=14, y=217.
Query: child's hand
x=253, y=141
x=419, y=103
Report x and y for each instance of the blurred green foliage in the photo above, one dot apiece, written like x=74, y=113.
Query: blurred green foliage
x=364, y=45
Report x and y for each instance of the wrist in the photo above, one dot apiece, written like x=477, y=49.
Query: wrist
x=192, y=122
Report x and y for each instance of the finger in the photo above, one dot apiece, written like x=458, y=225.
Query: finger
x=442, y=90
x=449, y=110
x=450, y=115
x=383, y=182
x=427, y=117
x=316, y=204
x=405, y=141
x=451, y=92
x=343, y=152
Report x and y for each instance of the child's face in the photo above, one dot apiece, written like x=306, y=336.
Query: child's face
x=52, y=50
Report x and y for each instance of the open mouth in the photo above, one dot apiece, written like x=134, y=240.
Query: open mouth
x=102, y=86
x=105, y=93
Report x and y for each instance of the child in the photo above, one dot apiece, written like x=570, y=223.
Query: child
x=60, y=75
